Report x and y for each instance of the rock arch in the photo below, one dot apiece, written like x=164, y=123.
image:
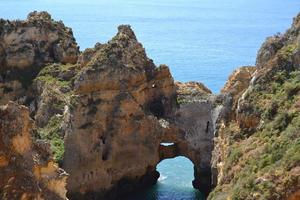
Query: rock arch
x=193, y=139
x=119, y=115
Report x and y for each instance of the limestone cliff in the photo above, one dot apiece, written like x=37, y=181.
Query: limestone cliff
x=26, y=168
x=112, y=110
x=122, y=108
x=257, y=150
x=26, y=47
x=106, y=115
x=106, y=111
x=113, y=129
x=197, y=115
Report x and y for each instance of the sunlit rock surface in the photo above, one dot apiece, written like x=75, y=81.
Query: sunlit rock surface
x=27, y=170
x=106, y=111
x=26, y=46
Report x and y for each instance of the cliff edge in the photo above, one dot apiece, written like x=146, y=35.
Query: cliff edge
x=257, y=146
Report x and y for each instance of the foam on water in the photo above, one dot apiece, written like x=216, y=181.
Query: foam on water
x=162, y=178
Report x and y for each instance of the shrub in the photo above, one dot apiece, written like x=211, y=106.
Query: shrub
x=281, y=121
x=291, y=89
x=52, y=134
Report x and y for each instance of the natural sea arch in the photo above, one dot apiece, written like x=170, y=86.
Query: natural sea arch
x=178, y=174
x=175, y=182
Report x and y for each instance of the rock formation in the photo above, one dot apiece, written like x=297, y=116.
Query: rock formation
x=237, y=84
x=104, y=116
x=113, y=129
x=257, y=149
x=26, y=168
x=26, y=47
x=105, y=113
x=197, y=116
x=122, y=109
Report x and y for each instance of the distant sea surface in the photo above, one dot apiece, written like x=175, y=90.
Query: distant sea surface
x=200, y=40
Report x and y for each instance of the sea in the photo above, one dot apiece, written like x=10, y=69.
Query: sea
x=200, y=40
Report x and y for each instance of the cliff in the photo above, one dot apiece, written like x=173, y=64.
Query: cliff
x=257, y=149
x=113, y=126
x=27, y=170
x=105, y=113
x=26, y=47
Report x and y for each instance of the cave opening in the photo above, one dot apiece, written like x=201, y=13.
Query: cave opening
x=156, y=107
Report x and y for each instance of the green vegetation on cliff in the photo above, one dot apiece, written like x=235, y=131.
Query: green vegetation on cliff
x=266, y=164
x=259, y=148
x=52, y=134
x=58, y=75
x=56, y=91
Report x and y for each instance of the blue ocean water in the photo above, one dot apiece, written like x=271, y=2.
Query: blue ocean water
x=202, y=40
x=174, y=183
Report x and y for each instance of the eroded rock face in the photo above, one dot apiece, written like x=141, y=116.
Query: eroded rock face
x=36, y=41
x=272, y=46
x=262, y=104
x=114, y=133
x=191, y=88
x=279, y=53
x=197, y=116
x=26, y=168
x=26, y=47
x=106, y=114
x=237, y=83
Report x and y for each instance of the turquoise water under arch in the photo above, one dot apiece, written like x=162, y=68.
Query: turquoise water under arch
x=174, y=183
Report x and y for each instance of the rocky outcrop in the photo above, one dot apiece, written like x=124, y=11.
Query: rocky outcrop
x=36, y=41
x=197, y=116
x=26, y=47
x=122, y=109
x=26, y=168
x=107, y=114
x=191, y=89
x=279, y=53
x=237, y=83
x=279, y=46
x=254, y=154
x=113, y=134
